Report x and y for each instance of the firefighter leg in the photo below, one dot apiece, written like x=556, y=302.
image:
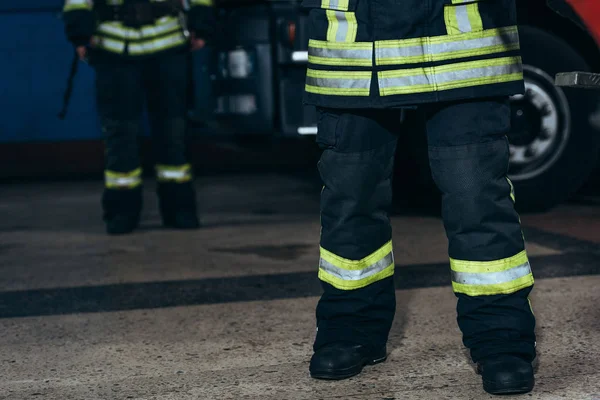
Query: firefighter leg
x=120, y=100
x=491, y=275
x=167, y=83
x=356, y=268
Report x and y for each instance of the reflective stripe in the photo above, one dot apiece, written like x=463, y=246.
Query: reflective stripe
x=71, y=5
x=338, y=83
x=512, y=190
x=163, y=26
x=174, y=173
x=115, y=46
x=208, y=3
x=347, y=54
x=340, y=5
x=123, y=180
x=440, y=48
x=342, y=26
x=452, y=76
x=463, y=18
x=155, y=45
x=484, y=278
x=353, y=274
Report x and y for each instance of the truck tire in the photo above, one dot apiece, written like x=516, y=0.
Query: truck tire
x=554, y=146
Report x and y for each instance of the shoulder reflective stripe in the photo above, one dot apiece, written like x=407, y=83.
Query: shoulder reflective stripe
x=180, y=173
x=441, y=48
x=452, y=76
x=113, y=179
x=340, y=5
x=489, y=266
x=163, y=26
x=334, y=53
x=462, y=18
x=155, y=45
x=338, y=83
x=342, y=26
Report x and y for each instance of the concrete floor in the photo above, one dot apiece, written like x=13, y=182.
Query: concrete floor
x=227, y=312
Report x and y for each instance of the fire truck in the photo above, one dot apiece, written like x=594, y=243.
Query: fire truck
x=554, y=141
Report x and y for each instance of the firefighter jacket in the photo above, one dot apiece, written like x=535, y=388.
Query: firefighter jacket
x=115, y=26
x=386, y=53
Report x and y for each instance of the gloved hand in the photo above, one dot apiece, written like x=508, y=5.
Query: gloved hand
x=80, y=25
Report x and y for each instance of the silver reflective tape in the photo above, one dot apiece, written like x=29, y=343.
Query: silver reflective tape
x=342, y=29
x=172, y=174
x=333, y=4
x=365, y=54
x=156, y=45
x=462, y=18
x=69, y=3
x=339, y=83
x=508, y=38
x=116, y=29
x=123, y=181
x=116, y=46
x=405, y=81
x=355, y=275
x=473, y=73
x=491, y=278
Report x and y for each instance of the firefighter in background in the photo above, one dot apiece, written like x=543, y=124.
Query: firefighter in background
x=456, y=61
x=140, y=50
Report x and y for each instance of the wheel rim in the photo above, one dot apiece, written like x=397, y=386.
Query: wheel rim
x=541, y=126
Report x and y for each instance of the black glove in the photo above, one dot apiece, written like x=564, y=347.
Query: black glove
x=202, y=21
x=80, y=25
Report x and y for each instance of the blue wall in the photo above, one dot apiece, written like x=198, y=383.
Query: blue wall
x=36, y=59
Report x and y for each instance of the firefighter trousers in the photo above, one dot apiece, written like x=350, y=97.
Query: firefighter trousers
x=468, y=155
x=123, y=87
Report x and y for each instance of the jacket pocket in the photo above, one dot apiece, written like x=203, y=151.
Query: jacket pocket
x=463, y=16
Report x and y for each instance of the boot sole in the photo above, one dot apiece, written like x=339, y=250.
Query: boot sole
x=508, y=387
x=336, y=375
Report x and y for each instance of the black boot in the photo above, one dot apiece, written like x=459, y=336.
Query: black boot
x=343, y=360
x=122, y=208
x=178, y=205
x=121, y=224
x=506, y=374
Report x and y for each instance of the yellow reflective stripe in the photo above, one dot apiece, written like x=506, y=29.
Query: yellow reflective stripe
x=353, y=285
x=114, y=46
x=207, y=3
x=489, y=266
x=474, y=17
x=494, y=289
x=348, y=274
x=332, y=26
x=125, y=180
x=462, y=18
x=155, y=45
x=338, y=83
x=353, y=265
x=483, y=278
x=452, y=76
x=512, y=190
x=352, y=27
x=446, y=47
x=340, y=5
x=174, y=173
x=163, y=26
x=72, y=5
x=340, y=53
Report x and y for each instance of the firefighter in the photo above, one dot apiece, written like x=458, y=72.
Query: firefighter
x=140, y=52
x=456, y=62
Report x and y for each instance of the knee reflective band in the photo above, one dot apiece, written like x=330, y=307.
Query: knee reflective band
x=174, y=173
x=354, y=274
x=123, y=180
x=486, y=278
